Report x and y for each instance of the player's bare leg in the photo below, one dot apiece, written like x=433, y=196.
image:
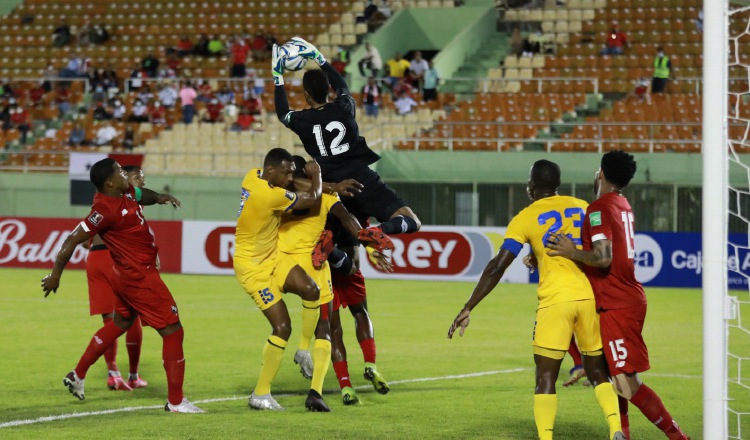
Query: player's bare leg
x=545, y=397
x=598, y=374
x=632, y=388
x=322, y=359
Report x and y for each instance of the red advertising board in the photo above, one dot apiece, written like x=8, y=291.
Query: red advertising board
x=30, y=242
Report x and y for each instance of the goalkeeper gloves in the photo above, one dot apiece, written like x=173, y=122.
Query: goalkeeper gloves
x=307, y=50
x=277, y=66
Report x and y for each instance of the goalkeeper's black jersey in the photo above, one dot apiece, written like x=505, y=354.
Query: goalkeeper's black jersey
x=331, y=136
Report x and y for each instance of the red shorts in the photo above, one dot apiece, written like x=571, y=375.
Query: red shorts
x=148, y=296
x=99, y=275
x=622, y=340
x=347, y=291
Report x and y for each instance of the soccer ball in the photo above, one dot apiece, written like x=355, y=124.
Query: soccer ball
x=292, y=60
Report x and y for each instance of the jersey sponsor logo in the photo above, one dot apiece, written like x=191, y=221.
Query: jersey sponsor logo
x=219, y=247
x=95, y=218
x=289, y=195
x=648, y=258
x=595, y=218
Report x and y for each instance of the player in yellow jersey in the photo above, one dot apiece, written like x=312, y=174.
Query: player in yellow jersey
x=566, y=300
x=298, y=235
x=264, y=199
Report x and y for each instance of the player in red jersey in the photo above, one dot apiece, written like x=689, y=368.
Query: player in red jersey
x=102, y=302
x=117, y=217
x=608, y=252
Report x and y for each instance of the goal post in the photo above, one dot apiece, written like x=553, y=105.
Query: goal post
x=715, y=217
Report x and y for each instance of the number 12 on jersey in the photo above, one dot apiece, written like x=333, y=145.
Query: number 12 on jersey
x=336, y=146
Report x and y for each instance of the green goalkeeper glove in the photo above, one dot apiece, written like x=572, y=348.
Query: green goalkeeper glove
x=277, y=66
x=309, y=51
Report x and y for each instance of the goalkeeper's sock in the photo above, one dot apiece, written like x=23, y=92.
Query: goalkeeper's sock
x=400, y=224
x=310, y=315
x=110, y=354
x=624, y=420
x=321, y=355
x=101, y=341
x=652, y=407
x=605, y=395
x=545, y=411
x=368, y=350
x=575, y=354
x=340, y=261
x=342, y=373
x=273, y=351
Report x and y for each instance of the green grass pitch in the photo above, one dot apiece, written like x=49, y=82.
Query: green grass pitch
x=431, y=395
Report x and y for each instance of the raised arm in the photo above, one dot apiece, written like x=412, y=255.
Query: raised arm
x=309, y=51
x=310, y=197
x=51, y=282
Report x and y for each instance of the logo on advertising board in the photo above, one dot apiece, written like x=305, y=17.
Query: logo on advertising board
x=220, y=246
x=27, y=243
x=648, y=258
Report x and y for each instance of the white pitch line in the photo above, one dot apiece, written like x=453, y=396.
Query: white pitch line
x=14, y=423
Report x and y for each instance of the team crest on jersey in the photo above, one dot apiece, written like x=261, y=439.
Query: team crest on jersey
x=95, y=218
x=128, y=196
x=595, y=218
x=289, y=195
x=243, y=198
x=174, y=309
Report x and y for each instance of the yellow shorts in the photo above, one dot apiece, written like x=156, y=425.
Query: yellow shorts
x=555, y=325
x=322, y=276
x=264, y=282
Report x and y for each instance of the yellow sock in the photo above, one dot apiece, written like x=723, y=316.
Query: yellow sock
x=272, y=354
x=545, y=410
x=605, y=395
x=321, y=355
x=310, y=314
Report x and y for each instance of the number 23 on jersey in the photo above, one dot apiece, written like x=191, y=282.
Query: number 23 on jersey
x=556, y=217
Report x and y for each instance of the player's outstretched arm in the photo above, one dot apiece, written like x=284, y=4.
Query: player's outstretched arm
x=149, y=197
x=489, y=279
x=310, y=197
x=561, y=245
x=51, y=282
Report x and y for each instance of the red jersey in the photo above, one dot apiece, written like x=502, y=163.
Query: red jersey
x=119, y=222
x=239, y=53
x=611, y=218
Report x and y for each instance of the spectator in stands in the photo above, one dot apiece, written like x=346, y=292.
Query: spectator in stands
x=259, y=47
x=662, y=71
x=371, y=97
x=136, y=78
x=397, y=69
x=370, y=61
x=105, y=134
x=339, y=65
x=61, y=36
x=516, y=43
x=231, y=111
x=139, y=112
x=174, y=63
x=130, y=138
x=166, y=72
x=640, y=91
x=259, y=86
x=187, y=98
x=430, y=83
x=19, y=119
x=76, y=68
x=417, y=67
x=239, y=57
x=215, y=46
x=244, y=120
x=617, y=42
x=205, y=92
x=98, y=34
x=225, y=95
x=36, y=94
x=252, y=103
x=150, y=64
x=384, y=9
x=99, y=95
x=157, y=114
x=404, y=104
x=102, y=112
x=145, y=94
x=118, y=109
x=84, y=34
x=62, y=100
x=403, y=86
x=370, y=10
x=201, y=47
x=77, y=136
x=184, y=46
x=214, y=112
x=168, y=95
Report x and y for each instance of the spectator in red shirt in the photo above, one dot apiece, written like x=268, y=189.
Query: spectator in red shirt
x=37, y=93
x=157, y=114
x=339, y=65
x=259, y=47
x=244, y=120
x=617, y=42
x=239, y=57
x=214, y=112
x=19, y=118
x=253, y=104
x=205, y=92
x=184, y=46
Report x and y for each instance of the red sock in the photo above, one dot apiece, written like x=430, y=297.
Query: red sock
x=342, y=373
x=652, y=407
x=101, y=341
x=133, y=339
x=624, y=420
x=110, y=354
x=174, y=365
x=368, y=350
x=574, y=353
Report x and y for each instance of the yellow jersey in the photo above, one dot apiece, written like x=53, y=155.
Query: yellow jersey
x=258, y=218
x=300, y=229
x=560, y=279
